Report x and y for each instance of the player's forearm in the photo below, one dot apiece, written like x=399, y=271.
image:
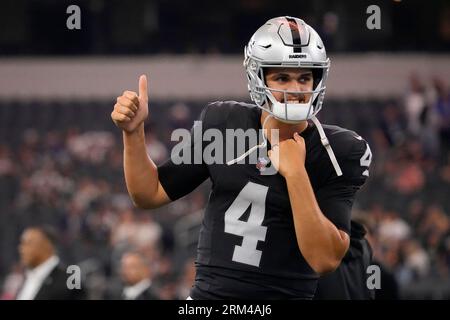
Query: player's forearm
x=141, y=174
x=318, y=238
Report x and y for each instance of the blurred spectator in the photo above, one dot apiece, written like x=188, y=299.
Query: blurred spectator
x=409, y=178
x=393, y=125
x=179, y=116
x=91, y=146
x=155, y=148
x=148, y=233
x=416, y=259
x=393, y=228
x=137, y=276
x=415, y=105
x=421, y=116
x=6, y=164
x=166, y=278
x=442, y=108
x=124, y=233
x=329, y=32
x=45, y=278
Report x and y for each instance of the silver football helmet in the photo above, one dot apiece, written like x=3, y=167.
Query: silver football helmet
x=286, y=42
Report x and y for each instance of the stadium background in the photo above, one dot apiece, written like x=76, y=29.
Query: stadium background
x=61, y=156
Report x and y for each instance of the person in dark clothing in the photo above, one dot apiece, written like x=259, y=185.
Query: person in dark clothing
x=46, y=278
x=349, y=280
x=136, y=275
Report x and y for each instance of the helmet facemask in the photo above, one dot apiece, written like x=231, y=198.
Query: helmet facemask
x=262, y=95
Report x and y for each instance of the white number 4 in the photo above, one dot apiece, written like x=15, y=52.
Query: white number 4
x=365, y=160
x=252, y=231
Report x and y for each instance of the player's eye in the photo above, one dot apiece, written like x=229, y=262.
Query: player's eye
x=282, y=78
x=305, y=79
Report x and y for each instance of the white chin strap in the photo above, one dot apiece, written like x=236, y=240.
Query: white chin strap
x=326, y=144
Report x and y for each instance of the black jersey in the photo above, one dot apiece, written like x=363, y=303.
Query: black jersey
x=247, y=247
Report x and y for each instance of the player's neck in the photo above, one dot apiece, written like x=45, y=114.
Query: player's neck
x=286, y=130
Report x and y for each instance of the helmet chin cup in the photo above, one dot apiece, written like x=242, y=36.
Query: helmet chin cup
x=291, y=112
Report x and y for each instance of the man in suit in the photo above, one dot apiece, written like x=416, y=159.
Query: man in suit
x=136, y=275
x=45, y=278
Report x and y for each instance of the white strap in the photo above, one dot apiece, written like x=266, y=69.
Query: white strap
x=261, y=145
x=323, y=140
x=326, y=144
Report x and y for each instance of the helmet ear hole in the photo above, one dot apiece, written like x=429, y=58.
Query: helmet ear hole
x=317, y=77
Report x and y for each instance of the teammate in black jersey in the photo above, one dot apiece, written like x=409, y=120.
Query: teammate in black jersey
x=263, y=236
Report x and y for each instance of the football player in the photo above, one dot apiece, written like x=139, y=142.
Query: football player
x=262, y=236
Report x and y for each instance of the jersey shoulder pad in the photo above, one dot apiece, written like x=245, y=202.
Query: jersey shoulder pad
x=227, y=113
x=352, y=152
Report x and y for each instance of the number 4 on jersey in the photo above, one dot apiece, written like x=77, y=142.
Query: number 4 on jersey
x=252, y=231
x=366, y=159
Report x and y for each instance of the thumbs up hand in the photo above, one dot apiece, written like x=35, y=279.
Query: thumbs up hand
x=131, y=109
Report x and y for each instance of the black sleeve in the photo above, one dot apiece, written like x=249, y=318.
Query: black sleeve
x=185, y=170
x=336, y=197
